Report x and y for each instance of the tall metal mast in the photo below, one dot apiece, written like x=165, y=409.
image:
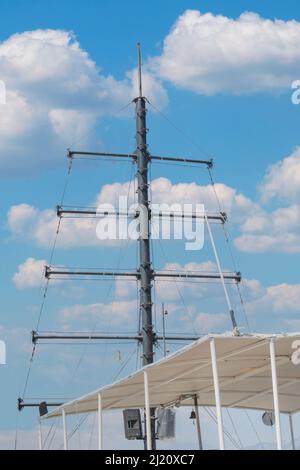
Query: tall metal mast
x=144, y=240
x=145, y=273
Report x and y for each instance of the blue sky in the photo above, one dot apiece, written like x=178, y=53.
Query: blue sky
x=225, y=83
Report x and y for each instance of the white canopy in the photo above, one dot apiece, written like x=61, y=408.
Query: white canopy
x=244, y=370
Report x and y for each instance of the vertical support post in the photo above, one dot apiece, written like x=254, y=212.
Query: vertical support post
x=100, y=423
x=65, y=430
x=292, y=431
x=198, y=423
x=144, y=239
x=275, y=394
x=217, y=392
x=145, y=266
x=40, y=436
x=164, y=329
x=231, y=312
x=147, y=410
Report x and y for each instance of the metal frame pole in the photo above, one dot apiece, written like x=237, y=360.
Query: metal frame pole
x=275, y=394
x=147, y=410
x=65, y=429
x=292, y=431
x=198, y=423
x=100, y=423
x=144, y=238
x=40, y=436
x=164, y=329
x=231, y=312
x=217, y=392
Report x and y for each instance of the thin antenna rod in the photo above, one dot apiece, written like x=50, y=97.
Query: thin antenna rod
x=140, y=70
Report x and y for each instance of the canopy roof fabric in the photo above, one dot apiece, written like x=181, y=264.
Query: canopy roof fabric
x=244, y=376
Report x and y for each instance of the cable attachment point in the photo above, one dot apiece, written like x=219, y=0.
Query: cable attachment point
x=47, y=272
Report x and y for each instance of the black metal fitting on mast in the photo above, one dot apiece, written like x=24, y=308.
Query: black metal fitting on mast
x=21, y=404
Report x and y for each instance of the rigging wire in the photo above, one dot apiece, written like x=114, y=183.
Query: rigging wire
x=179, y=292
x=92, y=430
x=93, y=129
x=95, y=325
x=254, y=429
x=124, y=364
x=234, y=428
x=212, y=415
x=180, y=131
x=47, y=282
x=229, y=246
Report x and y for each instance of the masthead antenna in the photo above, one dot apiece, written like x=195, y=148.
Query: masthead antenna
x=139, y=70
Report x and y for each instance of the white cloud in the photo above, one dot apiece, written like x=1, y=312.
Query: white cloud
x=30, y=273
x=209, y=322
x=283, y=179
x=174, y=289
x=277, y=299
x=55, y=95
x=233, y=202
x=40, y=225
x=117, y=312
x=27, y=222
x=209, y=53
x=276, y=230
x=279, y=243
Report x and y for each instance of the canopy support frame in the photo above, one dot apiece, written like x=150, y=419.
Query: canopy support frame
x=147, y=412
x=198, y=422
x=65, y=435
x=275, y=394
x=214, y=365
x=291, y=424
x=100, y=423
x=40, y=435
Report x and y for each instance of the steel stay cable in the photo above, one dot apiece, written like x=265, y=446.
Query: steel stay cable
x=97, y=320
x=47, y=281
x=226, y=235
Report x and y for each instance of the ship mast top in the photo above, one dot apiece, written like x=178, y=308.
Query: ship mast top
x=139, y=70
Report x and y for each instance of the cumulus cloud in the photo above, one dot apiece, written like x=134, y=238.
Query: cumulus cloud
x=261, y=229
x=28, y=223
x=55, y=95
x=277, y=231
x=282, y=180
x=30, y=273
x=172, y=290
x=209, y=53
x=278, y=299
x=117, y=312
x=209, y=322
x=40, y=225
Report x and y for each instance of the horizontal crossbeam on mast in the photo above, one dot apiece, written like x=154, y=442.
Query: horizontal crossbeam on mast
x=208, y=163
x=22, y=404
x=65, y=272
x=228, y=276
x=98, y=336
x=69, y=272
x=61, y=211
x=73, y=153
